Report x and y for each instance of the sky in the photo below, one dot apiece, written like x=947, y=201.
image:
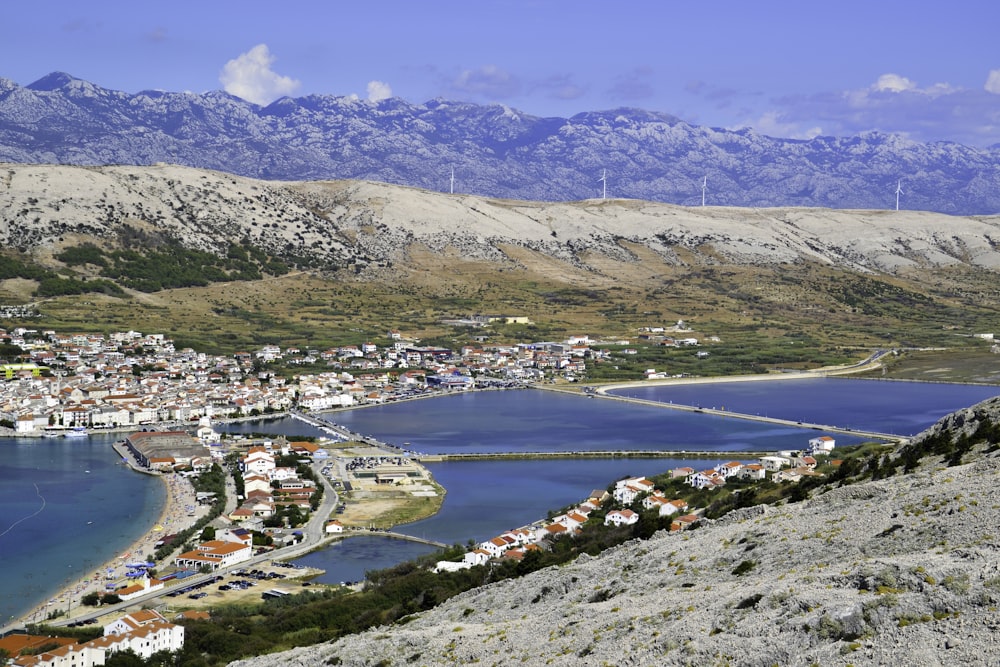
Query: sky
x=923, y=69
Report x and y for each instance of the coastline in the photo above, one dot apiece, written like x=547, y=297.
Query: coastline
x=172, y=518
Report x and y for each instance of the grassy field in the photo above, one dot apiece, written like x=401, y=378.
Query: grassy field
x=955, y=365
x=765, y=317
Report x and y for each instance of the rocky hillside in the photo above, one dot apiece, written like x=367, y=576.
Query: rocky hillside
x=901, y=571
x=375, y=228
x=494, y=151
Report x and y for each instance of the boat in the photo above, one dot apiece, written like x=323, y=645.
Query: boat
x=77, y=432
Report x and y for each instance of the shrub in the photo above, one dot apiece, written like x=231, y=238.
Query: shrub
x=750, y=602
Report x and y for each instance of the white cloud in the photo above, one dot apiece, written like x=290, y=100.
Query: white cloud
x=893, y=83
x=378, y=91
x=250, y=77
x=993, y=82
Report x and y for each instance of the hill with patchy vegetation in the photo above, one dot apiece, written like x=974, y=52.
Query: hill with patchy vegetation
x=200, y=254
x=371, y=226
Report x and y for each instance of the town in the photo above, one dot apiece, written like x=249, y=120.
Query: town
x=129, y=380
x=275, y=493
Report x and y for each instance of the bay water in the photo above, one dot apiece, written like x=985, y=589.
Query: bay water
x=67, y=508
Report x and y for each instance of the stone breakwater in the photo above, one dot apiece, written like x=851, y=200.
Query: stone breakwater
x=900, y=571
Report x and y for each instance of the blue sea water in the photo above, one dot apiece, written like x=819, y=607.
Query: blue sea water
x=67, y=508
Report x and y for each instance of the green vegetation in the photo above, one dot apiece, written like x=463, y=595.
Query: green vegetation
x=172, y=266
x=12, y=267
x=151, y=264
x=51, y=284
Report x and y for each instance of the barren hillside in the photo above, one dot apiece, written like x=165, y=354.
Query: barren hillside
x=375, y=226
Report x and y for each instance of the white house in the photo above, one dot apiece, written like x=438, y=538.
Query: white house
x=215, y=554
x=25, y=424
x=627, y=490
x=822, y=445
x=620, y=518
x=772, y=463
x=140, y=588
x=450, y=566
x=496, y=546
x=260, y=461
x=730, y=469
x=133, y=632
x=476, y=557
x=133, y=621
x=707, y=479
x=334, y=526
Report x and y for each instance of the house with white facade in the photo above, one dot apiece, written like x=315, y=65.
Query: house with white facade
x=824, y=444
x=707, y=479
x=730, y=469
x=627, y=490
x=773, y=463
x=620, y=518
x=139, y=588
x=143, y=632
x=215, y=554
x=260, y=461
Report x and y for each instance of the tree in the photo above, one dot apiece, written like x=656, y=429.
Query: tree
x=207, y=533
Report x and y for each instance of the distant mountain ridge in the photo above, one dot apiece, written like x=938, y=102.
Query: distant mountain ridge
x=494, y=150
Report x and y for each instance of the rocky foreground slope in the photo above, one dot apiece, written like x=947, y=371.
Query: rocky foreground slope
x=901, y=571
x=374, y=228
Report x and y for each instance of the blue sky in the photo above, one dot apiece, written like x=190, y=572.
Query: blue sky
x=785, y=68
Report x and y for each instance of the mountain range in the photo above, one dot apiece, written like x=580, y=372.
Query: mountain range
x=492, y=150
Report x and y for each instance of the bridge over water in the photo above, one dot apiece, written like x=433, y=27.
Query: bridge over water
x=394, y=536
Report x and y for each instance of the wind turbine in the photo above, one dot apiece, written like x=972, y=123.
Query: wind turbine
x=899, y=191
x=704, y=187
x=604, y=179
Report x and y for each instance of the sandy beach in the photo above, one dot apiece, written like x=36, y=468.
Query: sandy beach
x=172, y=519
